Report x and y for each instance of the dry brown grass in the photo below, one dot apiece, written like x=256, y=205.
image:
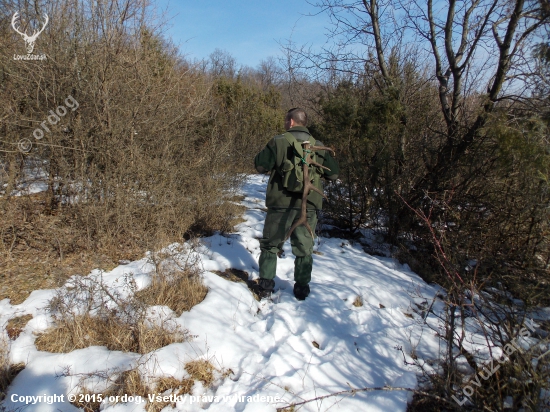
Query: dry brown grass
x=8, y=372
x=180, y=290
x=15, y=325
x=116, y=334
x=131, y=383
x=237, y=198
x=233, y=275
x=201, y=370
x=220, y=215
x=358, y=302
x=41, y=248
x=87, y=312
x=126, y=383
x=170, y=385
x=178, y=387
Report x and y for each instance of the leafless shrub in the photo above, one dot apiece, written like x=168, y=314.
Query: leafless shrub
x=507, y=368
x=89, y=312
x=175, y=282
x=124, y=383
x=149, y=156
x=133, y=383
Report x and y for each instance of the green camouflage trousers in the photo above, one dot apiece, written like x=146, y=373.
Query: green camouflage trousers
x=277, y=224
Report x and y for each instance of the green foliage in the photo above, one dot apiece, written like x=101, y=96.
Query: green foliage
x=491, y=206
x=368, y=128
x=246, y=116
x=160, y=56
x=520, y=143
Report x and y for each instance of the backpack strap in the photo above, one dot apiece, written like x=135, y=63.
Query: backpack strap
x=280, y=142
x=282, y=148
x=294, y=143
x=298, y=148
x=298, y=145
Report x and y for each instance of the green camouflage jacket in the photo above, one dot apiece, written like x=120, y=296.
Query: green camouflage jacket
x=277, y=196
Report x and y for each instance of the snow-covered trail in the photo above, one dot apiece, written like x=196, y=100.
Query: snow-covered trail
x=295, y=350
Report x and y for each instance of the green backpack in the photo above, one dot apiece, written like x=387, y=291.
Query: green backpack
x=290, y=168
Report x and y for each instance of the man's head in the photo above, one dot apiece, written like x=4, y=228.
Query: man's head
x=295, y=117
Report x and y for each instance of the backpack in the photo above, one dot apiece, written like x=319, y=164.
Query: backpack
x=290, y=166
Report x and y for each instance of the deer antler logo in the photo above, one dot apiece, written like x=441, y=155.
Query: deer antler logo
x=29, y=40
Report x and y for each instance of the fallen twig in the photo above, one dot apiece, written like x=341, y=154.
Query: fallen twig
x=354, y=391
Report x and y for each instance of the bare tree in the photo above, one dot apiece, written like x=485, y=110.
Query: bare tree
x=478, y=48
x=437, y=113
x=221, y=63
x=269, y=73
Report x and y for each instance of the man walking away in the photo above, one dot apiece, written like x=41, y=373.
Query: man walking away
x=283, y=205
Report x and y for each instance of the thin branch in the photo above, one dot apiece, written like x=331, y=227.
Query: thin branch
x=354, y=391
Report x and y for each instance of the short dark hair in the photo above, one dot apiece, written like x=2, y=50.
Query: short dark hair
x=298, y=115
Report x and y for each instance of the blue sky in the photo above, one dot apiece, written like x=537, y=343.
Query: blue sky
x=248, y=29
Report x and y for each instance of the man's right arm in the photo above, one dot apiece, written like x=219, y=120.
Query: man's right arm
x=265, y=160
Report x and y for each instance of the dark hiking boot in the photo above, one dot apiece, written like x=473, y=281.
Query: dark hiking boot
x=301, y=292
x=265, y=288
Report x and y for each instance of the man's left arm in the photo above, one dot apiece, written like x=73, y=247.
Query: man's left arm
x=332, y=164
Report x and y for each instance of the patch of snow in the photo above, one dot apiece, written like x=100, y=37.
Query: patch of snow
x=285, y=349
